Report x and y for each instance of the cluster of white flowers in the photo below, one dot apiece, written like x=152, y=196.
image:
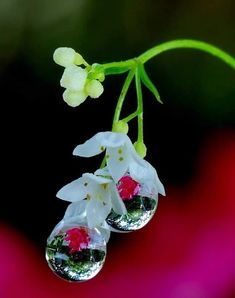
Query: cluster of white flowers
x=79, y=82
x=93, y=196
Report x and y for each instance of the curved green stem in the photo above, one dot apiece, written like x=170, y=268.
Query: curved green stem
x=131, y=116
x=131, y=65
x=140, y=106
x=118, y=67
x=103, y=163
x=123, y=95
x=190, y=44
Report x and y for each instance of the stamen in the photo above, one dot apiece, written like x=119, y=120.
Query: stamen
x=119, y=151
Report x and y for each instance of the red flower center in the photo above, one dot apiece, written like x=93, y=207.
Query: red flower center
x=127, y=187
x=78, y=239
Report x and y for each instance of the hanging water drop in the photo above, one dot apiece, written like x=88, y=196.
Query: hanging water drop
x=75, y=253
x=140, y=208
x=139, y=212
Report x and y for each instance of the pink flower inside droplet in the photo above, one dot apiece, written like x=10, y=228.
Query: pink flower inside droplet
x=128, y=187
x=78, y=239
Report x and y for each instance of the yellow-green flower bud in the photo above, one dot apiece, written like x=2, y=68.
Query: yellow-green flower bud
x=64, y=56
x=141, y=149
x=78, y=59
x=74, y=98
x=94, y=88
x=100, y=76
x=120, y=126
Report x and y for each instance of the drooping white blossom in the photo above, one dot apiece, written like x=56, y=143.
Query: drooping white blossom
x=92, y=198
x=122, y=158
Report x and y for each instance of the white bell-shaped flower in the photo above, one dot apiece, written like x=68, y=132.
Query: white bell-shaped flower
x=122, y=158
x=93, y=197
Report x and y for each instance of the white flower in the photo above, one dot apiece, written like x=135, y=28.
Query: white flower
x=100, y=196
x=122, y=158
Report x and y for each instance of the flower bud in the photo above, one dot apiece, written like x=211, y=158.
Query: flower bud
x=74, y=98
x=120, y=126
x=74, y=78
x=100, y=76
x=141, y=149
x=78, y=59
x=94, y=88
x=64, y=56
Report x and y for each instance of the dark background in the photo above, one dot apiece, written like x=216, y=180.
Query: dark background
x=40, y=131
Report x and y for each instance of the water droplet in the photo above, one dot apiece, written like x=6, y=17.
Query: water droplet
x=75, y=253
x=139, y=212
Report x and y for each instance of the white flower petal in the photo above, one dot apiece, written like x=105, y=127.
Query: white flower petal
x=140, y=171
x=76, y=210
x=111, y=139
x=160, y=186
x=144, y=173
x=118, y=160
x=90, y=148
x=99, y=142
x=74, y=78
x=96, y=179
x=97, y=212
x=73, y=192
x=117, y=203
x=103, y=172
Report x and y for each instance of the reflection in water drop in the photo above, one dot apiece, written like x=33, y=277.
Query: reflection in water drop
x=139, y=212
x=75, y=253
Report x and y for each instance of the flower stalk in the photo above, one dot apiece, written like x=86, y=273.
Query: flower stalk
x=122, y=96
x=139, y=106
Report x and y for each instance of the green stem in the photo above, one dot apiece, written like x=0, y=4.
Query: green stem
x=139, y=106
x=130, y=65
x=103, y=163
x=123, y=95
x=190, y=44
x=118, y=67
x=131, y=116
